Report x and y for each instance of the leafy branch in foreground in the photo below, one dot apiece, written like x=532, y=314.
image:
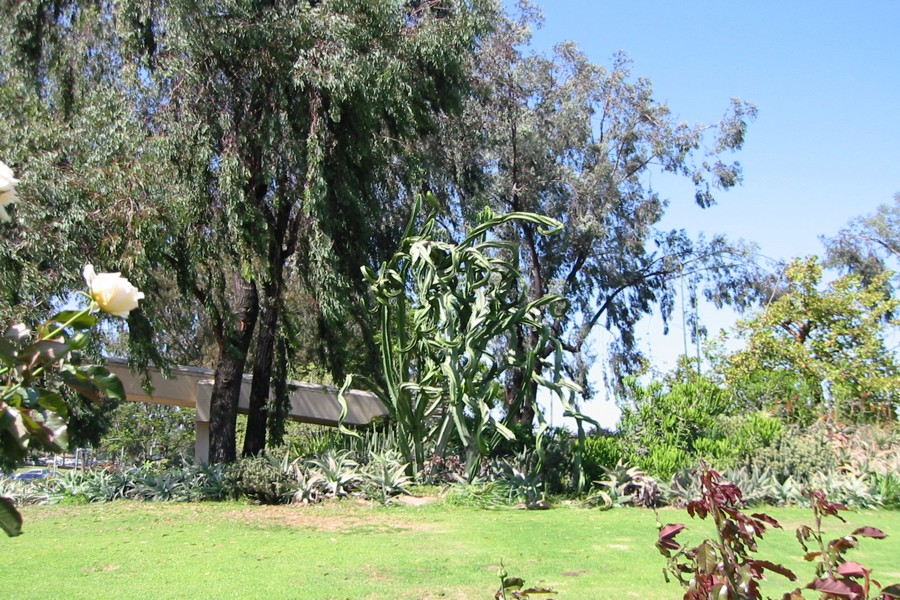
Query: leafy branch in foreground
x=837, y=577
x=36, y=366
x=515, y=587
x=723, y=568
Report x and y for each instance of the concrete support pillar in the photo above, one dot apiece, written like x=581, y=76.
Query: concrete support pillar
x=201, y=422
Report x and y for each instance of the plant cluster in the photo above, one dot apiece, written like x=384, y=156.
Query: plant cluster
x=623, y=485
x=725, y=566
x=262, y=480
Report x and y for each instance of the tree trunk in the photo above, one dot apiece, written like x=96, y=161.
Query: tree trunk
x=281, y=246
x=230, y=373
x=263, y=359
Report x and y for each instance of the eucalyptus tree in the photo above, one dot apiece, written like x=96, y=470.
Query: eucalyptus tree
x=565, y=138
x=270, y=139
x=869, y=245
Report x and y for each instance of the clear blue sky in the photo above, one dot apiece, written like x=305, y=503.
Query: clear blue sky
x=825, y=76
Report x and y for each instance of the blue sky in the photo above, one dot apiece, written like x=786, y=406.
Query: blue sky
x=825, y=77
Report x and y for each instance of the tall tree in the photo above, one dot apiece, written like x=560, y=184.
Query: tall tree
x=562, y=137
x=824, y=348
x=273, y=131
x=869, y=245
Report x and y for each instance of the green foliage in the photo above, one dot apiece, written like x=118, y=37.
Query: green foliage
x=887, y=486
x=259, y=479
x=665, y=427
x=141, y=432
x=796, y=455
x=481, y=494
x=600, y=452
x=444, y=308
x=825, y=347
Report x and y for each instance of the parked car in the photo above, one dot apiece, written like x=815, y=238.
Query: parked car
x=31, y=475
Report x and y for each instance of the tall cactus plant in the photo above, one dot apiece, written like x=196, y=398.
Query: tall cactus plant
x=446, y=310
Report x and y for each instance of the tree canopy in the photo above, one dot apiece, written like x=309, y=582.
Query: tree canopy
x=819, y=349
x=562, y=137
x=235, y=145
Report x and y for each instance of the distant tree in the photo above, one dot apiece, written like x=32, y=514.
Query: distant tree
x=562, y=137
x=820, y=349
x=141, y=432
x=868, y=246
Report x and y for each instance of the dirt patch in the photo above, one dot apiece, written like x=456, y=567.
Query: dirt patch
x=323, y=520
x=415, y=500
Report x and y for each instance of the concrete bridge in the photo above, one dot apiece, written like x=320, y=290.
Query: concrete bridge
x=191, y=387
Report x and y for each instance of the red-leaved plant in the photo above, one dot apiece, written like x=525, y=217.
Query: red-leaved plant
x=724, y=568
x=837, y=577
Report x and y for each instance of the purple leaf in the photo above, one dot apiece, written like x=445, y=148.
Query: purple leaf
x=837, y=587
x=852, y=569
x=870, y=532
x=774, y=567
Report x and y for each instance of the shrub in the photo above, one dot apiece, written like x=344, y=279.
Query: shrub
x=440, y=470
x=601, y=451
x=796, y=455
x=260, y=479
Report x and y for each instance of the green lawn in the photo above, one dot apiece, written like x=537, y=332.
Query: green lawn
x=348, y=550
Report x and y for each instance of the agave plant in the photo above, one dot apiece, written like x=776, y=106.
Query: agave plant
x=338, y=471
x=385, y=475
x=787, y=492
x=100, y=485
x=203, y=482
x=849, y=488
x=623, y=484
x=757, y=485
x=159, y=487
x=309, y=483
x=23, y=493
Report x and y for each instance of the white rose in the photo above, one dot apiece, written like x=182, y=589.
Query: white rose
x=112, y=292
x=7, y=190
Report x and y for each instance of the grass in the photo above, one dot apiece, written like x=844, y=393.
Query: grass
x=349, y=550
